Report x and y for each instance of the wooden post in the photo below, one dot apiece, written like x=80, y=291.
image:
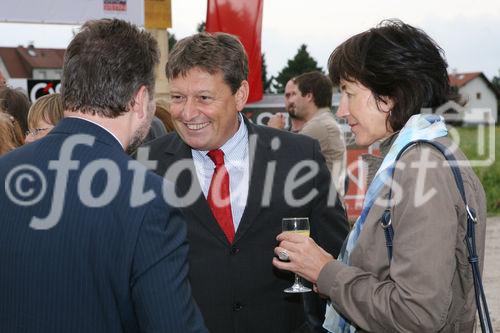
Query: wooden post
x=161, y=87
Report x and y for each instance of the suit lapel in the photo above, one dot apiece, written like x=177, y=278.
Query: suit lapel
x=259, y=156
x=199, y=211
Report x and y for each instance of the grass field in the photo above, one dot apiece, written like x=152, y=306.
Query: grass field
x=470, y=143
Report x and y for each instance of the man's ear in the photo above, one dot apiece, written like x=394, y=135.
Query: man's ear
x=241, y=95
x=310, y=97
x=141, y=99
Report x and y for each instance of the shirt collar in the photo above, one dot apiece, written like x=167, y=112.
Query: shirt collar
x=233, y=147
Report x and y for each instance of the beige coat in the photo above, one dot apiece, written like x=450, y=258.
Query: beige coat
x=324, y=128
x=428, y=286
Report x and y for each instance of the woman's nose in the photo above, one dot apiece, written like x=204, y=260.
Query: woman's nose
x=343, y=110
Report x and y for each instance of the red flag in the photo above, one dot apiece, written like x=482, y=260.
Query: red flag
x=243, y=19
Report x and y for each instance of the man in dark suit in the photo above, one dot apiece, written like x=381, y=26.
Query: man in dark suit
x=237, y=181
x=87, y=241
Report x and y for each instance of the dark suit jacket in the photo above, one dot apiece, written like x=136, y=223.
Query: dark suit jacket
x=102, y=269
x=235, y=285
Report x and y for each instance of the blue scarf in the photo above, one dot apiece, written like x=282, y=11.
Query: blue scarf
x=420, y=126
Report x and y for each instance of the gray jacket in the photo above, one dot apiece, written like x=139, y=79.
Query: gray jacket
x=428, y=285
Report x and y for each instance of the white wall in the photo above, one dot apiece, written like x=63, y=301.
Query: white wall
x=18, y=83
x=47, y=73
x=3, y=69
x=475, y=107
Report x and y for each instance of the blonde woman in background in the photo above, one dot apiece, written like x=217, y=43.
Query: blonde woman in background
x=43, y=115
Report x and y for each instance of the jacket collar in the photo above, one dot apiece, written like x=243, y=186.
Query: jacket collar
x=72, y=126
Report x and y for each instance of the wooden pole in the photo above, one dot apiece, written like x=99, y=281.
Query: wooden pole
x=161, y=87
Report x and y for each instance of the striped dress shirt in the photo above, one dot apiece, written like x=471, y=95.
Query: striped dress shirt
x=237, y=164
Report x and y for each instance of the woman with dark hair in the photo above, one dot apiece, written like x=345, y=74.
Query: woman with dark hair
x=11, y=135
x=388, y=75
x=16, y=103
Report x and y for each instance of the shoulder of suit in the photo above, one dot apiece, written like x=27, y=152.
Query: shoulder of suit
x=162, y=142
x=268, y=133
x=169, y=137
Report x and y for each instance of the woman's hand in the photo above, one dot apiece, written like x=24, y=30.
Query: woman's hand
x=307, y=258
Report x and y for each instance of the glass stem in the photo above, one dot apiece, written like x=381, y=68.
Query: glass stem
x=297, y=280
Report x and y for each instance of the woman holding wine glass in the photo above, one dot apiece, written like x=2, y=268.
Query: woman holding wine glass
x=387, y=75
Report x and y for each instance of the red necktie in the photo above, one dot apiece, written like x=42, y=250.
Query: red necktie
x=218, y=194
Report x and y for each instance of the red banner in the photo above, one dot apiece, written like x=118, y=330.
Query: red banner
x=243, y=19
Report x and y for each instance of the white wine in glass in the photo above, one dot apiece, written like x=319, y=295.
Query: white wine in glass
x=299, y=225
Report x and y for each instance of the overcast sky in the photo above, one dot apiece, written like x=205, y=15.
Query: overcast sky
x=467, y=30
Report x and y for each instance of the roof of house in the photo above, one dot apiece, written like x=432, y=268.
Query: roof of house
x=461, y=79
x=20, y=61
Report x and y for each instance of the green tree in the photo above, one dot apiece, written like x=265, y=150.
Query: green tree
x=201, y=26
x=266, y=84
x=496, y=81
x=171, y=41
x=496, y=84
x=301, y=63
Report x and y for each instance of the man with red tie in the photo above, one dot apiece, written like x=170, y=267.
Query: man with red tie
x=237, y=181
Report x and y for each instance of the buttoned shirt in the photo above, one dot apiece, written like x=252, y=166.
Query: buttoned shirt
x=237, y=164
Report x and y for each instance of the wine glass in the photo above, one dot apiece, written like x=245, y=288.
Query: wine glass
x=298, y=225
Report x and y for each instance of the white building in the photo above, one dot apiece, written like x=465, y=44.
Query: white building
x=480, y=95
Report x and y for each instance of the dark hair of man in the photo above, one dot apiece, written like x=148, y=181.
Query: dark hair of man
x=318, y=85
x=398, y=61
x=104, y=66
x=16, y=103
x=212, y=53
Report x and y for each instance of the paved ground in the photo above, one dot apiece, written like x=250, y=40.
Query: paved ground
x=491, y=272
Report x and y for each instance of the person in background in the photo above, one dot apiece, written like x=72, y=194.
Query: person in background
x=89, y=254
x=278, y=120
x=309, y=99
x=43, y=115
x=237, y=201
x=387, y=75
x=16, y=103
x=11, y=136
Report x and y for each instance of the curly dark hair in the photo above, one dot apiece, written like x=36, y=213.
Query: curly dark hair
x=398, y=61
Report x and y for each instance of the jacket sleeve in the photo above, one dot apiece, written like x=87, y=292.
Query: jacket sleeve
x=417, y=294
x=160, y=289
